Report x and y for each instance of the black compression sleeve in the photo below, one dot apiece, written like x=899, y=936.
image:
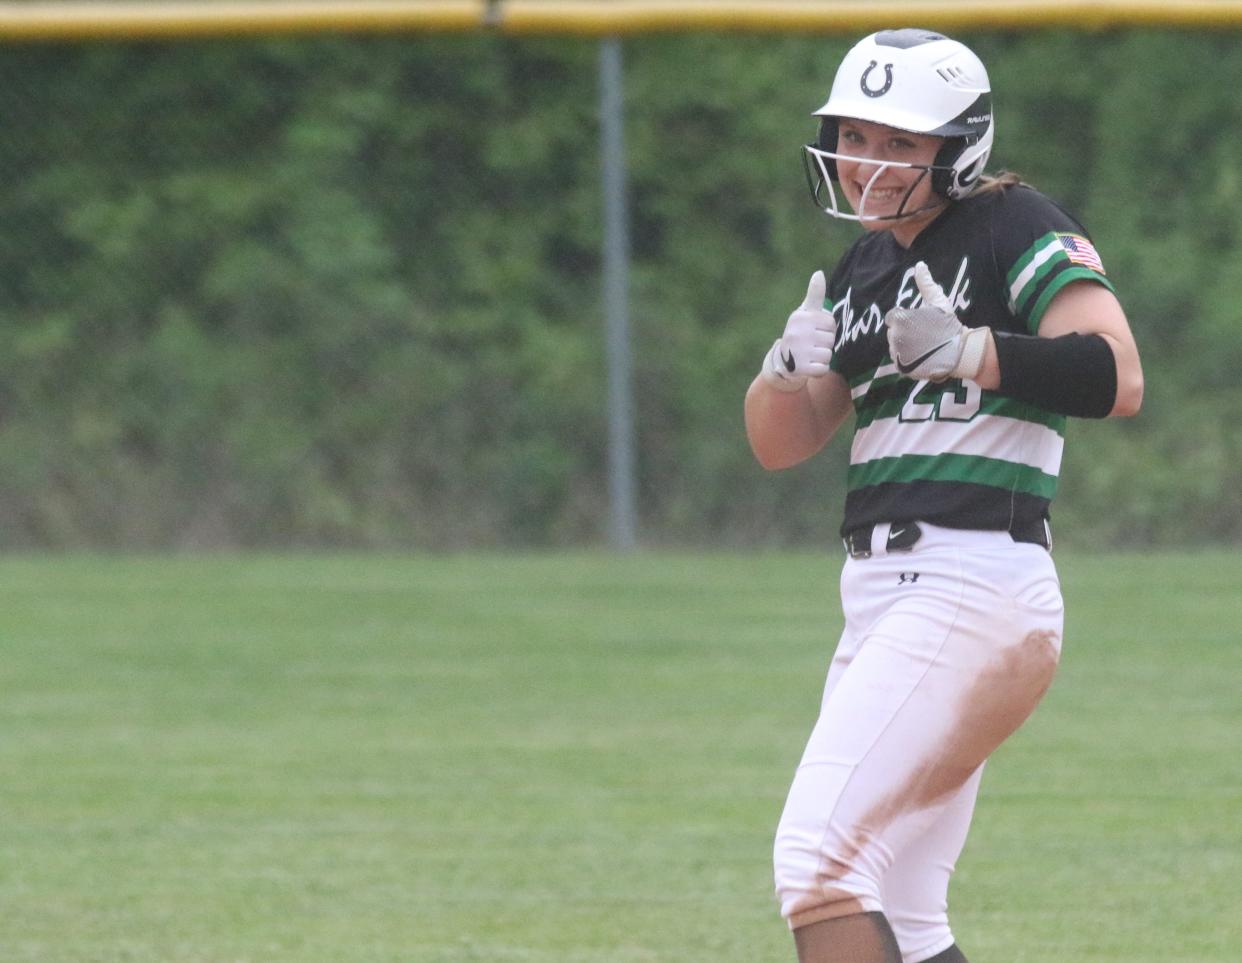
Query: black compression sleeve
x=1074, y=374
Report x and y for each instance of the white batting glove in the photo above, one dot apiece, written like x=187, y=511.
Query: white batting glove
x=805, y=348
x=928, y=342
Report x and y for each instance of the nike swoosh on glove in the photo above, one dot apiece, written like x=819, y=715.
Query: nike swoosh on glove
x=805, y=349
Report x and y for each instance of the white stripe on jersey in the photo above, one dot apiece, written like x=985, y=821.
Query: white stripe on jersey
x=1046, y=252
x=881, y=372
x=987, y=436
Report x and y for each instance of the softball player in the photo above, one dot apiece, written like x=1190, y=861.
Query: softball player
x=970, y=319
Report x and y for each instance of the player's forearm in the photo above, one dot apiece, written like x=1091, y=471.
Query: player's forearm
x=988, y=377
x=786, y=428
x=1092, y=375
x=782, y=427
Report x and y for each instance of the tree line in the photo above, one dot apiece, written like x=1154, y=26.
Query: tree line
x=346, y=291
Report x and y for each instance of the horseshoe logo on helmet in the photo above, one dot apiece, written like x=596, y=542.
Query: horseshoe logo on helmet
x=888, y=80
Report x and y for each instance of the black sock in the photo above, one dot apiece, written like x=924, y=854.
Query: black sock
x=951, y=955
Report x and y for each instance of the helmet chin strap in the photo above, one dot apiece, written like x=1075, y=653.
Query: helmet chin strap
x=834, y=208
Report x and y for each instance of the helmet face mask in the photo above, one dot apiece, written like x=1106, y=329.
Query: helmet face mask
x=821, y=175
x=916, y=81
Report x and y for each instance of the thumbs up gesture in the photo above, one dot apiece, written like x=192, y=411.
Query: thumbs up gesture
x=805, y=349
x=929, y=342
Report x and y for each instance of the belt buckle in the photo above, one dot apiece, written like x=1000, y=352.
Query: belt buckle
x=858, y=543
x=902, y=537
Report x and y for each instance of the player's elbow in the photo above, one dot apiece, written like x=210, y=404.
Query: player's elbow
x=773, y=461
x=1129, y=391
x=770, y=453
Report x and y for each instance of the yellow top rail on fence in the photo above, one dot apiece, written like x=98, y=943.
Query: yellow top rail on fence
x=83, y=20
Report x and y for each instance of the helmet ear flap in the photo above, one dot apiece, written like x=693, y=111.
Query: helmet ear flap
x=828, y=132
x=949, y=178
x=944, y=172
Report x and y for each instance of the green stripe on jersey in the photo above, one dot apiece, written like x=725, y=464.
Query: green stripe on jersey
x=1045, y=256
x=1032, y=252
x=1056, y=260
x=1024, y=278
x=1023, y=271
x=973, y=469
x=1055, y=285
x=869, y=375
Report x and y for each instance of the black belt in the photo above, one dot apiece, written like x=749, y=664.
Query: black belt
x=903, y=536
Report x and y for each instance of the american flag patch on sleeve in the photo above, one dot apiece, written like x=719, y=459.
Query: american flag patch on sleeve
x=1081, y=251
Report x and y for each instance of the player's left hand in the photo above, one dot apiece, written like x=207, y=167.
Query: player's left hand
x=929, y=342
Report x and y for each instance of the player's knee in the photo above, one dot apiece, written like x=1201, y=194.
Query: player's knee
x=820, y=875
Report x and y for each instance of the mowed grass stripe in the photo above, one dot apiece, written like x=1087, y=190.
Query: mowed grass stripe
x=562, y=758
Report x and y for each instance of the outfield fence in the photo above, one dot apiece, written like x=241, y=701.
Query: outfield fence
x=122, y=20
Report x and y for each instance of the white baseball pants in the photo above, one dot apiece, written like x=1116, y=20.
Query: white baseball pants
x=947, y=649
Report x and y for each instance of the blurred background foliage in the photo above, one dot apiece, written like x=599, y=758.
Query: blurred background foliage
x=346, y=291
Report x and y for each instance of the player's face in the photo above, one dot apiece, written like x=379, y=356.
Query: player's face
x=874, y=186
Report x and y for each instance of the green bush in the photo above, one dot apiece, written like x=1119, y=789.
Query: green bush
x=346, y=291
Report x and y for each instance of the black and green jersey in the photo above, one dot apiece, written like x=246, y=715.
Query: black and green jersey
x=950, y=453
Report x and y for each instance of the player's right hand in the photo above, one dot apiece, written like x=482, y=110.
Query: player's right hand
x=805, y=349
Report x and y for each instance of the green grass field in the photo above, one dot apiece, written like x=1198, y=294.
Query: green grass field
x=564, y=758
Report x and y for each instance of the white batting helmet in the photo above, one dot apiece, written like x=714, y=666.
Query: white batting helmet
x=913, y=80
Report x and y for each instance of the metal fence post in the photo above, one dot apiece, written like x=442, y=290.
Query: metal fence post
x=621, y=458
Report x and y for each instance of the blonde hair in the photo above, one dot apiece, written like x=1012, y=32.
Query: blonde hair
x=989, y=183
